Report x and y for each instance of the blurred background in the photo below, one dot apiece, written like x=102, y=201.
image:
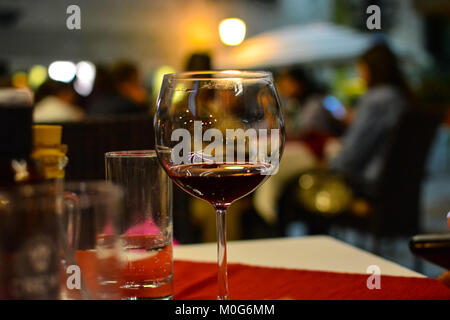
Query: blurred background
x=101, y=83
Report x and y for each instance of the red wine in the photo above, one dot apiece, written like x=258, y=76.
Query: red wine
x=219, y=184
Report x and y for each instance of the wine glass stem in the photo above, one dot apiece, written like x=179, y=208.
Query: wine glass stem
x=222, y=275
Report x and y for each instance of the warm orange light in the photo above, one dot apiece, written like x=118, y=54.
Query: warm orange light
x=20, y=80
x=199, y=34
x=232, y=31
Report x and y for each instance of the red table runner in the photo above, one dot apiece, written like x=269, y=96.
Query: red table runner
x=198, y=281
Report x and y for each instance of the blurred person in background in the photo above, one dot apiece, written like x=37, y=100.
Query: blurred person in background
x=56, y=102
x=306, y=116
x=118, y=91
x=102, y=82
x=377, y=114
x=198, y=61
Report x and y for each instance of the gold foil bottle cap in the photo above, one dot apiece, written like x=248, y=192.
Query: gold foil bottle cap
x=47, y=135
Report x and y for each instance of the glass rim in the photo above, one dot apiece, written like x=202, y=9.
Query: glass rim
x=219, y=75
x=131, y=154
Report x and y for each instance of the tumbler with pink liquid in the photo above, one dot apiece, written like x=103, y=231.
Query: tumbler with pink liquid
x=145, y=253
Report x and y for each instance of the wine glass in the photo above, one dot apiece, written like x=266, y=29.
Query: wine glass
x=219, y=135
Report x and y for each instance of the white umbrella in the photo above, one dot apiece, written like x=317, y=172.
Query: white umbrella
x=317, y=42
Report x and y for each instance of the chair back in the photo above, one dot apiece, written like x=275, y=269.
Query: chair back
x=88, y=141
x=397, y=202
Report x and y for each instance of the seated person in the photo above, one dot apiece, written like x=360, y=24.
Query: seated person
x=118, y=92
x=56, y=102
x=307, y=117
x=377, y=114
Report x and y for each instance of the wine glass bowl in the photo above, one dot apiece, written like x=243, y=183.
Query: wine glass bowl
x=219, y=135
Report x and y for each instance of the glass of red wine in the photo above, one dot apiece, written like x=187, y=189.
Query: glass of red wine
x=219, y=135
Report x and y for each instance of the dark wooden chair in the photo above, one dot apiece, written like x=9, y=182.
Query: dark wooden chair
x=395, y=208
x=397, y=204
x=88, y=141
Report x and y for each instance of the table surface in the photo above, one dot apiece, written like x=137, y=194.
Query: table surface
x=322, y=253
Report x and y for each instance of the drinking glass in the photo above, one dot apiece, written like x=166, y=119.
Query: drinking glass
x=219, y=134
x=91, y=220
x=146, y=232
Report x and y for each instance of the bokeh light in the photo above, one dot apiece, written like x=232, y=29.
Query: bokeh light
x=37, y=75
x=63, y=71
x=20, y=80
x=84, y=82
x=232, y=31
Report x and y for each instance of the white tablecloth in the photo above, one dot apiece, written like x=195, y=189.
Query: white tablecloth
x=322, y=253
